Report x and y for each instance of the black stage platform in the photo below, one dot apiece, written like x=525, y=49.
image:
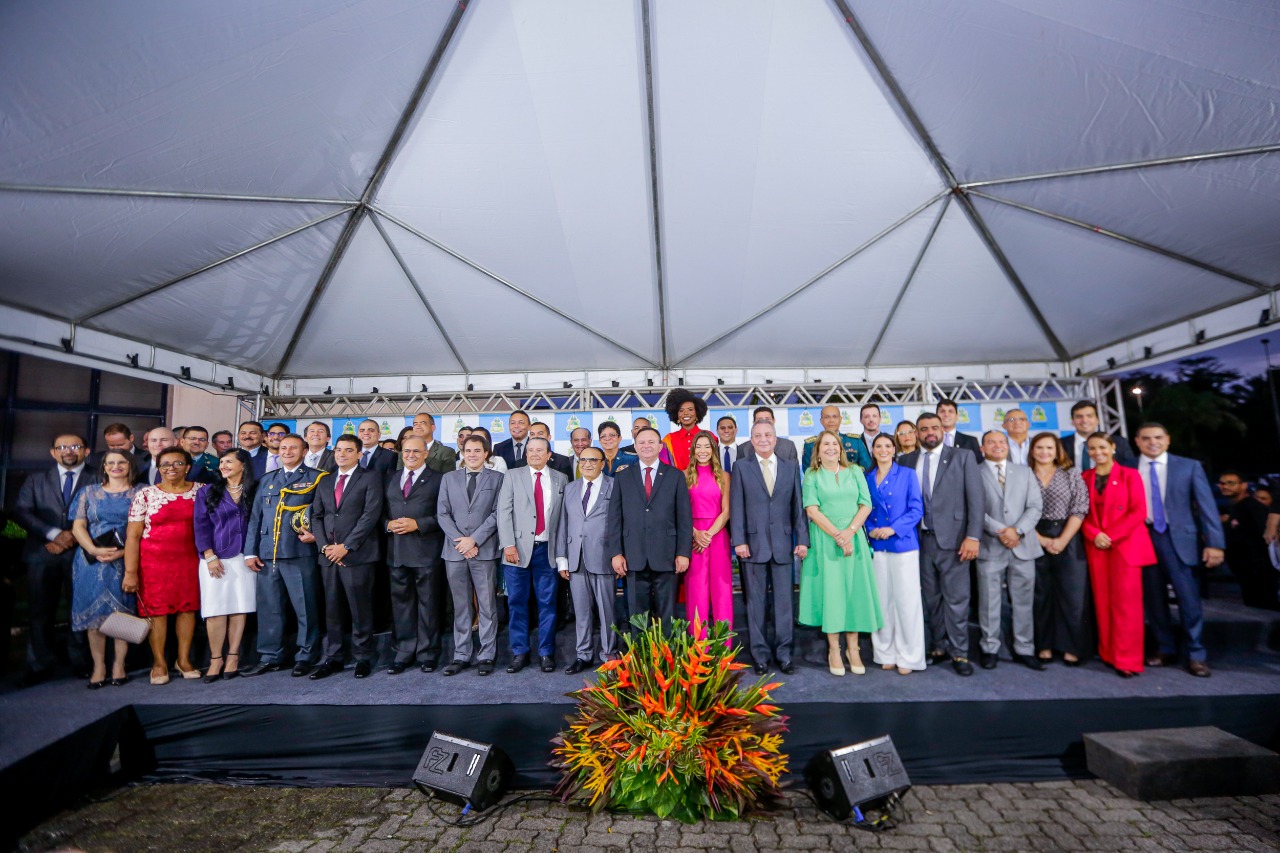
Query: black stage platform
x=1010, y=724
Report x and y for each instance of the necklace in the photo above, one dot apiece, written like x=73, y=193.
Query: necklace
x=237, y=489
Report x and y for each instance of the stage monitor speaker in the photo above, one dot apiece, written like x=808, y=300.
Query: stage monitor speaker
x=463, y=772
x=851, y=776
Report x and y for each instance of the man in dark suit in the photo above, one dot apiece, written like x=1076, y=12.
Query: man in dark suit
x=768, y=529
x=949, y=413
x=1084, y=417
x=195, y=440
x=467, y=512
x=284, y=560
x=438, y=457
x=650, y=533
x=44, y=508
x=250, y=436
x=373, y=455
x=555, y=461
x=160, y=439
x=1180, y=512
x=346, y=518
x=511, y=450
x=222, y=441
x=785, y=448
x=950, y=532
x=854, y=449
x=414, y=553
x=318, y=454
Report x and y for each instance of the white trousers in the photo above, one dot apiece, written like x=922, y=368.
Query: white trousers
x=901, y=641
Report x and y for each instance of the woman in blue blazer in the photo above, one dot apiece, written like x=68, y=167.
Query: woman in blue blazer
x=896, y=510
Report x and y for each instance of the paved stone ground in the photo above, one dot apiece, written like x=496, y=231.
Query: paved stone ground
x=1068, y=816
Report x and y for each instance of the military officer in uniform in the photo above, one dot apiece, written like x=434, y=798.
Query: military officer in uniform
x=282, y=551
x=855, y=449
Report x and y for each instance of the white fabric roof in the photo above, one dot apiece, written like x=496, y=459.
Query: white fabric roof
x=330, y=188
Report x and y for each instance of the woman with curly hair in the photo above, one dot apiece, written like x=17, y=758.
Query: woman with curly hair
x=686, y=412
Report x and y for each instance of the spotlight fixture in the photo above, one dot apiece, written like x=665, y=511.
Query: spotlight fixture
x=471, y=386
x=132, y=358
x=615, y=383
x=424, y=390
x=1200, y=336
x=516, y=387
x=1078, y=372
x=186, y=371
x=1051, y=376
x=649, y=382
x=231, y=383
x=1265, y=317
x=1147, y=351
x=719, y=381
x=680, y=381
x=66, y=345
x=768, y=382
x=375, y=389
x=329, y=390
x=567, y=384
x=1111, y=363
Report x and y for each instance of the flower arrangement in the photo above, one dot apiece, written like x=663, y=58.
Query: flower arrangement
x=668, y=729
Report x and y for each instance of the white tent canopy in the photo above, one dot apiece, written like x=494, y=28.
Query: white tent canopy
x=305, y=191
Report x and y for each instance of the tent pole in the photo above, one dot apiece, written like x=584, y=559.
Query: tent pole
x=1120, y=167
x=911, y=274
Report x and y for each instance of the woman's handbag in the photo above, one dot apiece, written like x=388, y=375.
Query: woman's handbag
x=127, y=627
x=113, y=538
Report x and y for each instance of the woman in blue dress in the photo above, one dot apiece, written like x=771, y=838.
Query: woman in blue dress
x=97, y=571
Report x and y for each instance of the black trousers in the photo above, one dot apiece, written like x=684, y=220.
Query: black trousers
x=652, y=592
x=48, y=578
x=417, y=610
x=348, y=589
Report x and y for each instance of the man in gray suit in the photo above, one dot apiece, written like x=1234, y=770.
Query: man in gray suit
x=768, y=528
x=784, y=448
x=467, y=513
x=1012, y=508
x=528, y=515
x=951, y=487
x=581, y=558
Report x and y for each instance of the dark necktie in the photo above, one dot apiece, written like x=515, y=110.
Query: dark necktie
x=1085, y=462
x=408, y=484
x=586, y=497
x=1158, y=521
x=337, y=490
x=648, y=483
x=728, y=461
x=155, y=472
x=364, y=458
x=471, y=486
x=927, y=493
x=519, y=450
x=539, y=521
x=68, y=480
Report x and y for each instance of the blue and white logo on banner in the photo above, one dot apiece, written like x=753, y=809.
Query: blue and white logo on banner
x=890, y=417
x=802, y=423
x=657, y=419
x=567, y=422
x=343, y=426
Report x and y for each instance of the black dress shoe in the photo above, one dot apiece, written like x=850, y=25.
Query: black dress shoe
x=363, y=669
x=95, y=685
x=518, y=662
x=988, y=660
x=1030, y=662
x=577, y=666
x=760, y=669
x=1162, y=660
x=484, y=667
x=326, y=669
x=428, y=666
x=122, y=681
x=787, y=667
x=261, y=669
x=962, y=666
x=937, y=656
x=209, y=679
x=301, y=668
x=548, y=663
x=397, y=668
x=456, y=667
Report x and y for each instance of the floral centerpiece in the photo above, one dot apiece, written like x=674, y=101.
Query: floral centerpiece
x=669, y=729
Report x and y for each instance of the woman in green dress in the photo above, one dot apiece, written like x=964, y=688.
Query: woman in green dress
x=837, y=581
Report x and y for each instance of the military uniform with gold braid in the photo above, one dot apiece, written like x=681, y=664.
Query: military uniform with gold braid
x=855, y=450
x=289, y=571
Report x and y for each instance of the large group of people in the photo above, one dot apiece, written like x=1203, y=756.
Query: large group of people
x=897, y=535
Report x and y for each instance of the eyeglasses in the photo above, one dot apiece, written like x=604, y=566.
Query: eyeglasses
x=590, y=460
x=277, y=434
x=171, y=465
x=69, y=447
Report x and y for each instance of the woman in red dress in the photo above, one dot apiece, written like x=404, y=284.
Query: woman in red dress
x=161, y=562
x=1117, y=546
x=685, y=411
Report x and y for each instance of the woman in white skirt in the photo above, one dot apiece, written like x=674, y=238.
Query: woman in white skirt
x=896, y=510
x=227, y=591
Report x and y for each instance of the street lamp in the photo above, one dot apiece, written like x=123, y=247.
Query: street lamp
x=1137, y=392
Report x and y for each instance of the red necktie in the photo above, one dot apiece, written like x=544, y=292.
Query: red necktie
x=648, y=483
x=337, y=490
x=540, y=521
x=408, y=484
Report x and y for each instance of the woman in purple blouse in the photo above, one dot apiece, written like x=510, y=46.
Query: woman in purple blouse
x=227, y=585
x=896, y=510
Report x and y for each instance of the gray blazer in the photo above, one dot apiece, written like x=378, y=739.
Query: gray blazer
x=477, y=518
x=516, y=514
x=1019, y=507
x=957, y=501
x=770, y=525
x=580, y=539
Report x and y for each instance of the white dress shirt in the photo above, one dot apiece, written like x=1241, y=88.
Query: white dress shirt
x=547, y=505
x=1162, y=474
x=1020, y=453
x=404, y=477
x=935, y=457
x=312, y=459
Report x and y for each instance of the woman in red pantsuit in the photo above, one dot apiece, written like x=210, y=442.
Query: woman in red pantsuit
x=1117, y=546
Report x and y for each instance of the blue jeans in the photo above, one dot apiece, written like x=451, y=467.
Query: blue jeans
x=539, y=575
x=1170, y=569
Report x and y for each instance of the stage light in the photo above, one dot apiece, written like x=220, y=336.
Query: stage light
x=567, y=384
x=615, y=383
x=471, y=386
x=1200, y=336
x=375, y=389
x=328, y=390
x=1265, y=317
x=768, y=382
x=1051, y=376
x=66, y=345
x=1147, y=352
x=719, y=381
x=866, y=774
x=424, y=390
x=649, y=382
x=1111, y=362
x=516, y=386
x=231, y=383
x=463, y=771
x=133, y=358
x=680, y=381
x=186, y=371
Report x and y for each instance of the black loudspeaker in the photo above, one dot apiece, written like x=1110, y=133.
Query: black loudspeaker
x=841, y=779
x=463, y=772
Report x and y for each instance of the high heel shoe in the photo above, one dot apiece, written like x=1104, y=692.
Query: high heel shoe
x=187, y=673
x=210, y=678
x=855, y=655
x=94, y=685
x=235, y=673
x=160, y=679
x=836, y=668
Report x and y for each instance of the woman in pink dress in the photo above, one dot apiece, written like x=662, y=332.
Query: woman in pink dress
x=161, y=563
x=709, y=582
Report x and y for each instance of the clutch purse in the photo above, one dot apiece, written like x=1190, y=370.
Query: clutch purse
x=113, y=538
x=127, y=627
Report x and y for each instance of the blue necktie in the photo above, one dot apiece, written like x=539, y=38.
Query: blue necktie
x=68, y=480
x=926, y=493
x=1158, y=521
x=728, y=461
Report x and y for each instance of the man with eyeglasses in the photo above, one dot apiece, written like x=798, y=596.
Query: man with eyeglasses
x=250, y=438
x=44, y=508
x=581, y=559
x=159, y=440
x=275, y=434
x=195, y=440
